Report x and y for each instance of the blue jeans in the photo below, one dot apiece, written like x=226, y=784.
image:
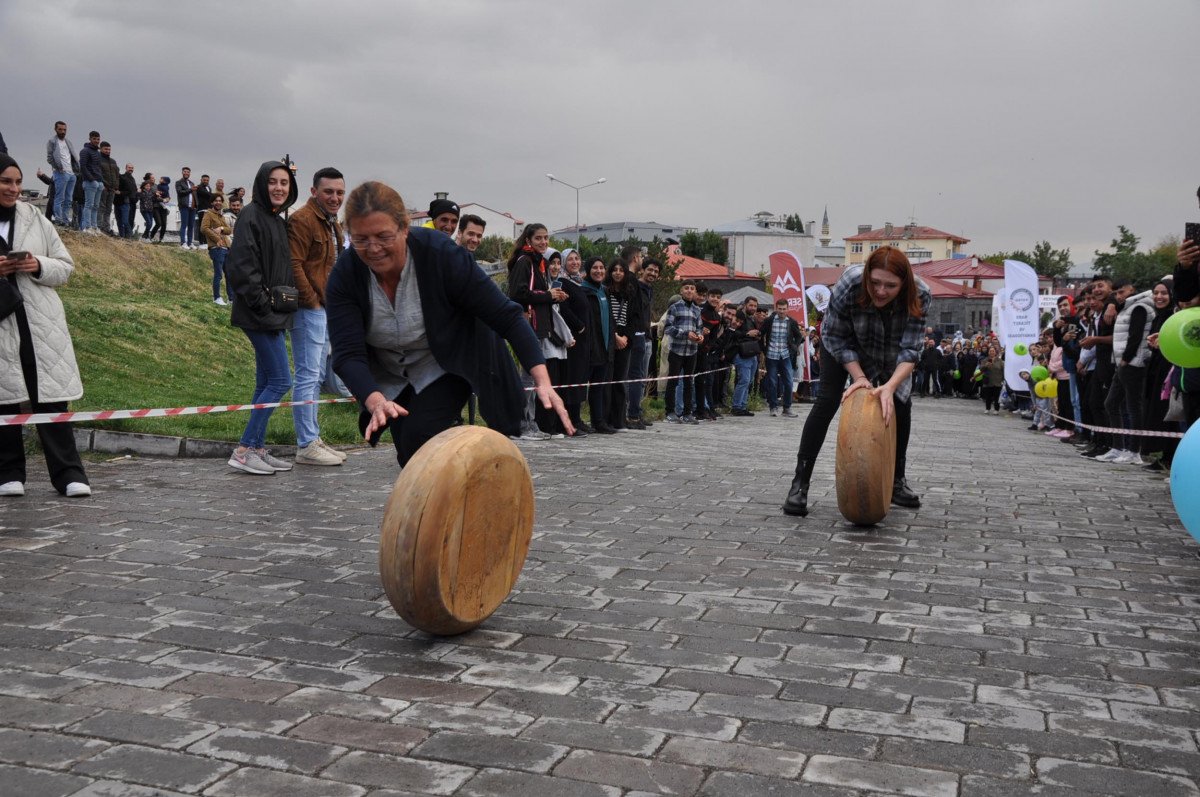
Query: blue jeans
x=187, y=225
x=218, y=260
x=776, y=370
x=637, y=370
x=308, y=355
x=744, y=368
x=92, y=189
x=1072, y=368
x=124, y=219
x=64, y=189
x=272, y=380
x=148, y=218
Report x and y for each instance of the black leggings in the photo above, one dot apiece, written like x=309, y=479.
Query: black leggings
x=833, y=384
x=430, y=412
x=991, y=397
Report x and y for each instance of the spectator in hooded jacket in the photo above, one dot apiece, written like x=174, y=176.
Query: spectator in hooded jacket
x=259, y=261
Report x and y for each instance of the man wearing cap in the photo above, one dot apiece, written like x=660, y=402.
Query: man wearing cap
x=443, y=214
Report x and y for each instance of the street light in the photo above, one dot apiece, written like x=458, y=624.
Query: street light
x=577, y=188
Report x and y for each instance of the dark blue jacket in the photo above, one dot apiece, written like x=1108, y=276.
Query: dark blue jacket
x=467, y=321
x=90, y=162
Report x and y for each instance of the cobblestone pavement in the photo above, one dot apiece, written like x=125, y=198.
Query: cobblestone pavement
x=1031, y=629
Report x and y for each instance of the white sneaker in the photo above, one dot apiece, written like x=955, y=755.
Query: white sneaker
x=78, y=490
x=220, y=301
x=315, y=454
x=12, y=489
x=1112, y=455
x=339, y=454
x=774, y=412
x=534, y=433
x=1131, y=458
x=250, y=462
x=275, y=463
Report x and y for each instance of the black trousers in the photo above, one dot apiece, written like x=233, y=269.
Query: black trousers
x=58, y=439
x=1097, y=391
x=816, y=425
x=430, y=412
x=548, y=420
x=680, y=366
x=617, y=401
x=991, y=397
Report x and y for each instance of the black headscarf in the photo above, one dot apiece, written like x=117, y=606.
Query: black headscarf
x=8, y=214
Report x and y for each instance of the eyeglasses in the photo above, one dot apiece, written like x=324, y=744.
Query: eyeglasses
x=364, y=242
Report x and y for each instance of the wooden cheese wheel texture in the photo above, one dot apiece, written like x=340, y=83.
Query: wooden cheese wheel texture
x=456, y=530
x=866, y=460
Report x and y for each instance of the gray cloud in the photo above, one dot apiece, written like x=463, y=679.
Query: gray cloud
x=1005, y=122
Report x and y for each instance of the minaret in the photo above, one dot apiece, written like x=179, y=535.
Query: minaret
x=825, y=228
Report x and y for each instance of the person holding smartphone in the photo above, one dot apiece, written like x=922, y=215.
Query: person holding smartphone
x=37, y=360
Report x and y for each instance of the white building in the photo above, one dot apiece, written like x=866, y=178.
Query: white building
x=750, y=242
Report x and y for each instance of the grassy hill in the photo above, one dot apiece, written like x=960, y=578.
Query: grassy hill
x=148, y=335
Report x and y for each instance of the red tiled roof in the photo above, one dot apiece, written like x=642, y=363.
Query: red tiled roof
x=960, y=268
x=695, y=268
x=902, y=233
x=938, y=288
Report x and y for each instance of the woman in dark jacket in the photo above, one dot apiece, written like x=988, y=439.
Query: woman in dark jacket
x=258, y=262
x=1154, y=406
x=416, y=327
x=576, y=313
x=622, y=293
x=601, y=343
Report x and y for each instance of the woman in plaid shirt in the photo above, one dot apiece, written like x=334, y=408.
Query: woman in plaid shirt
x=872, y=333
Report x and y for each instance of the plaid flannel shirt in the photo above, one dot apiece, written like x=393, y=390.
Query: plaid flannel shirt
x=682, y=317
x=878, y=341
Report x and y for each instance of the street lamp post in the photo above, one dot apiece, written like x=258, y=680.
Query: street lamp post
x=577, y=188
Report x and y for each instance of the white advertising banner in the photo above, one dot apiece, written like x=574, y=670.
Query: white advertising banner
x=1020, y=317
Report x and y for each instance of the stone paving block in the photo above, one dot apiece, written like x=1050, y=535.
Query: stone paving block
x=147, y=729
x=908, y=725
x=207, y=661
x=876, y=776
x=1141, y=733
x=236, y=687
x=1039, y=743
x=400, y=687
x=373, y=769
x=496, y=751
x=267, y=750
x=114, y=788
x=810, y=741
x=594, y=736
x=1113, y=780
x=631, y=773
x=491, y=782
x=501, y=677
x=307, y=675
x=687, y=723
x=37, y=685
x=1088, y=687
x=151, y=767
x=272, y=783
x=765, y=761
x=637, y=695
x=44, y=749
x=962, y=758
x=248, y=715
x=480, y=720
x=21, y=712
x=127, y=672
x=537, y=704
x=381, y=737
x=40, y=782
x=989, y=714
x=351, y=704
x=759, y=708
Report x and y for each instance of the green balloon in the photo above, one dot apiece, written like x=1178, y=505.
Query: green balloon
x=1039, y=372
x=957, y=374
x=1020, y=348
x=1179, y=338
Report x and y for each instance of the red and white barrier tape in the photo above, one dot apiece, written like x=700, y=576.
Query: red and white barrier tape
x=83, y=416
x=1112, y=430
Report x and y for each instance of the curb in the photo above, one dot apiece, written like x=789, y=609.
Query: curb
x=105, y=441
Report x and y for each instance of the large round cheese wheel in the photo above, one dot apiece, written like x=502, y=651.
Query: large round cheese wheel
x=866, y=460
x=456, y=530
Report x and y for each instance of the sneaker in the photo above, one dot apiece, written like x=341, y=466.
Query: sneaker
x=742, y=413
x=774, y=412
x=691, y=419
x=275, y=463
x=339, y=454
x=250, y=462
x=316, y=454
x=12, y=489
x=1111, y=456
x=78, y=490
x=533, y=433
x=1091, y=452
x=672, y=418
x=789, y=414
x=1130, y=458
x=220, y=301
x=646, y=423
x=558, y=436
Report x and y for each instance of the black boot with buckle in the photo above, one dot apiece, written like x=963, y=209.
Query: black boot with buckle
x=903, y=496
x=796, y=502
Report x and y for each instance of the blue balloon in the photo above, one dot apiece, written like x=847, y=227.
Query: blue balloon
x=1185, y=478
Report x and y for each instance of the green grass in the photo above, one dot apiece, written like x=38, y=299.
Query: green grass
x=147, y=334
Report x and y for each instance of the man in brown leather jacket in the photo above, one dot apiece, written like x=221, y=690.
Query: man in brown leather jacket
x=315, y=240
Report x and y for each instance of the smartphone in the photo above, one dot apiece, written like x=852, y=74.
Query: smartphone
x=17, y=255
x=1192, y=232
x=556, y=284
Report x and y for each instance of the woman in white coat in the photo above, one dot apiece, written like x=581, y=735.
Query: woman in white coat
x=37, y=361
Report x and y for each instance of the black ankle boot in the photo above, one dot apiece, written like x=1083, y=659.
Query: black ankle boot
x=796, y=503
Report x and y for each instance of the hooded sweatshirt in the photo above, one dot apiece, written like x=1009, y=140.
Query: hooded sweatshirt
x=260, y=258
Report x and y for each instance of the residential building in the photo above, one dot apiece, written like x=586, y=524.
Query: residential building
x=921, y=244
x=617, y=231
x=750, y=242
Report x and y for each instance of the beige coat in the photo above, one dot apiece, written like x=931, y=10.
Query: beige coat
x=57, y=372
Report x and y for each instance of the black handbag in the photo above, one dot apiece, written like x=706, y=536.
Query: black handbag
x=285, y=299
x=749, y=348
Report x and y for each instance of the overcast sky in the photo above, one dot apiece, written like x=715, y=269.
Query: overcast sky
x=1006, y=122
